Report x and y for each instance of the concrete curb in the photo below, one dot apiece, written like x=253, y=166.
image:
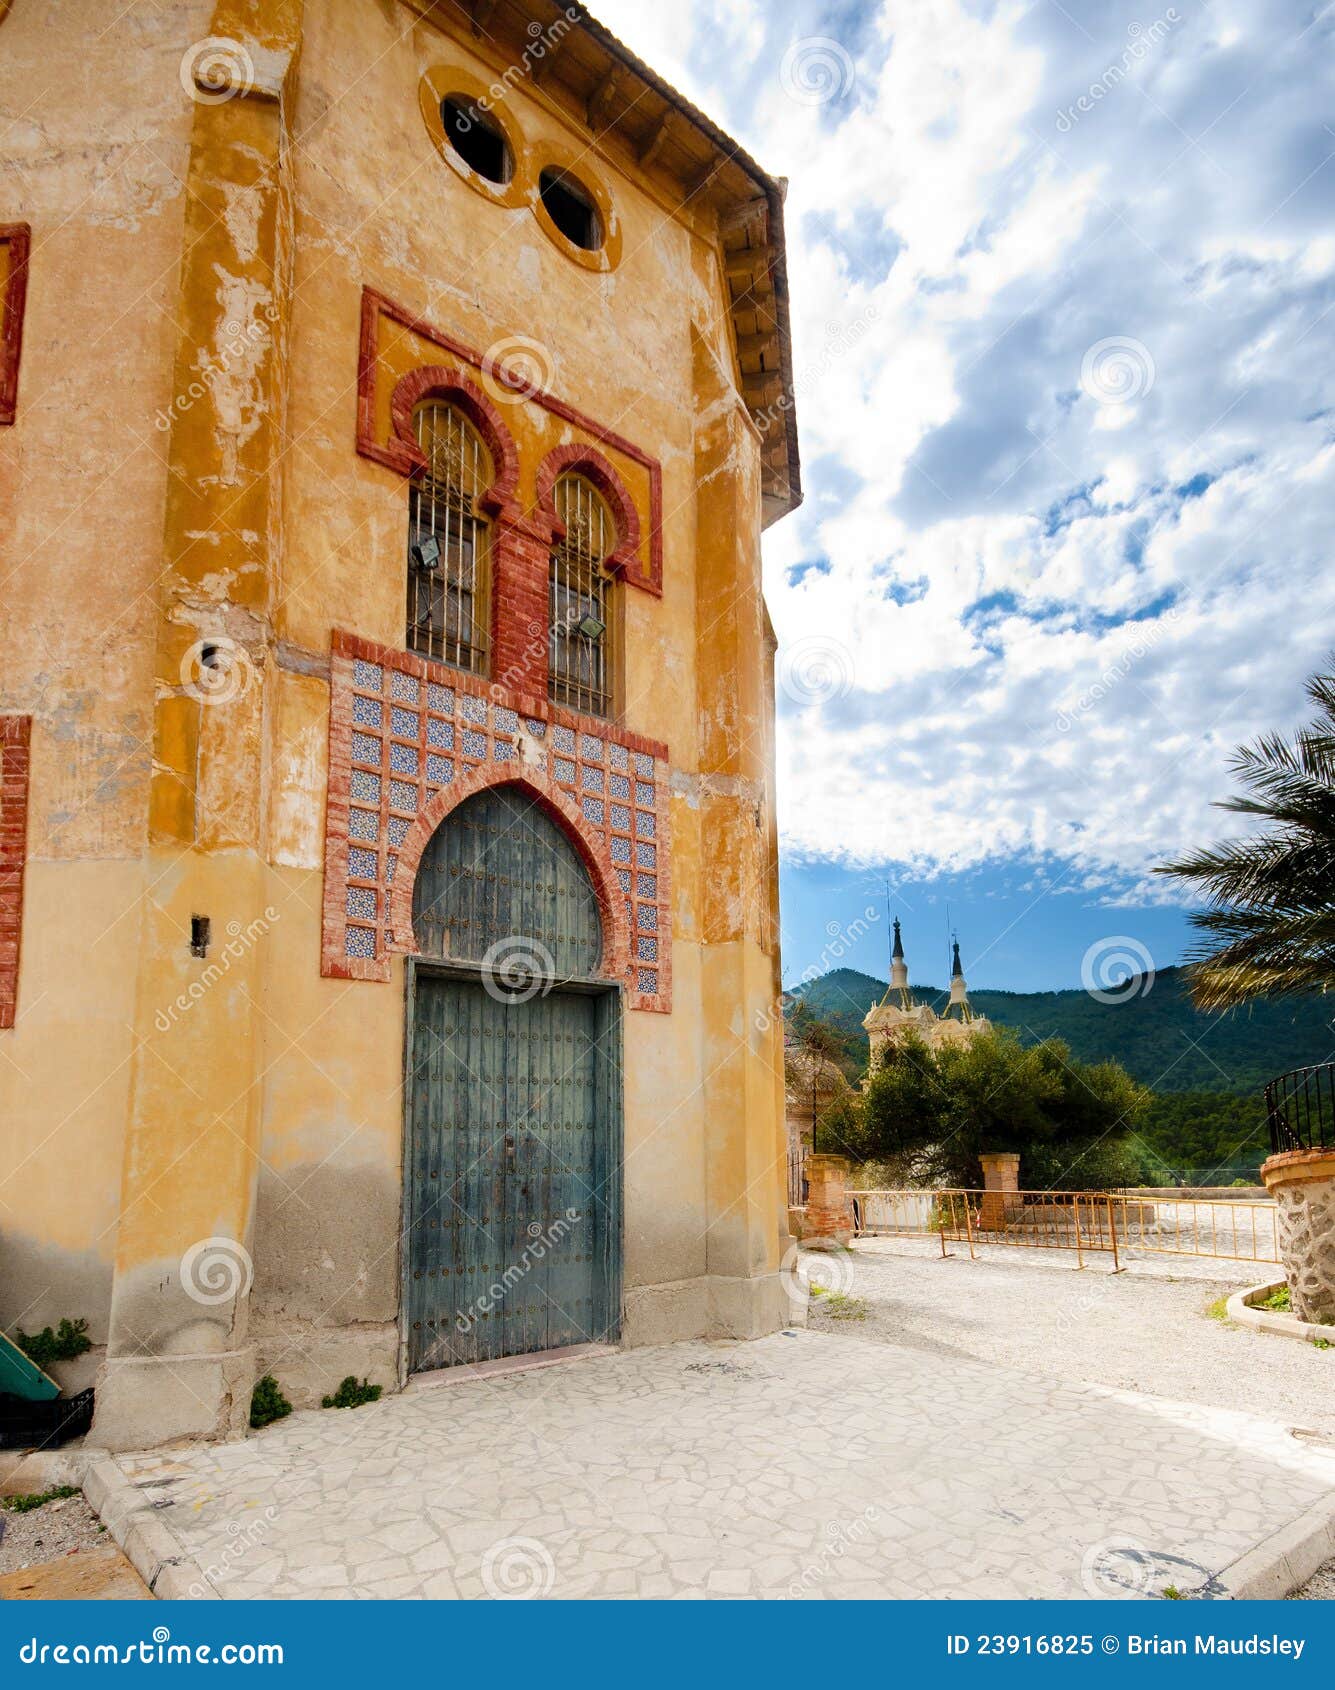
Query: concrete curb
x=150, y=1545
x=1285, y=1559
x=1239, y=1308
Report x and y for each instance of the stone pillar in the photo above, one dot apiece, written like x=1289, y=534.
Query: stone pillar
x=745, y=1171
x=179, y=1358
x=829, y=1216
x=1302, y=1182
x=1001, y=1180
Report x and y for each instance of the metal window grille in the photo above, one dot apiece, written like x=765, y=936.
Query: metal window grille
x=445, y=598
x=579, y=595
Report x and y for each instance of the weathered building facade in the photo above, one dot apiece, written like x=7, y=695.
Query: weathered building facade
x=392, y=396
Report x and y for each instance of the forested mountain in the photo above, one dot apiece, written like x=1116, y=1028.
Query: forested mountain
x=1208, y=1071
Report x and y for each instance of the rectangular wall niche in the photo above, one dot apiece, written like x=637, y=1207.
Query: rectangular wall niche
x=15, y=241
x=401, y=729
x=15, y=735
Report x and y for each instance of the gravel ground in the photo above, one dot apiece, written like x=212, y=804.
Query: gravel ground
x=1319, y=1588
x=59, y=1528
x=1142, y=1330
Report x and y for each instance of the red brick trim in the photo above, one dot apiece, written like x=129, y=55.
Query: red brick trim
x=616, y=931
x=588, y=461
x=15, y=742
x=18, y=238
x=454, y=734
x=437, y=381
x=404, y=460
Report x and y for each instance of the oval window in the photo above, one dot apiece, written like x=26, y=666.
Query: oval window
x=571, y=207
x=477, y=138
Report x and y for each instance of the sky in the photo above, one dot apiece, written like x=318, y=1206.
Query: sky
x=1063, y=292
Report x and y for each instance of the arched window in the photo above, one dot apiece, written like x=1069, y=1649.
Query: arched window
x=580, y=605
x=447, y=540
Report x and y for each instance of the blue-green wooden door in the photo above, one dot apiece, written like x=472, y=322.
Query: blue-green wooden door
x=514, y=1124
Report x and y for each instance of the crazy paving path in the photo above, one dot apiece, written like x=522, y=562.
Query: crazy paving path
x=805, y=1464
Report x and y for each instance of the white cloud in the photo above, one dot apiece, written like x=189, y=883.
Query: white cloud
x=1058, y=616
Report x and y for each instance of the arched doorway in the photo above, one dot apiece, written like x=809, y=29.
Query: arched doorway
x=512, y=1165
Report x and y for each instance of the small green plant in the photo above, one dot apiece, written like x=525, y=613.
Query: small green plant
x=37, y=1499
x=267, y=1403
x=352, y=1395
x=1321, y=1343
x=1217, y=1310
x=1277, y=1301
x=69, y=1339
x=843, y=1307
x=1171, y=1593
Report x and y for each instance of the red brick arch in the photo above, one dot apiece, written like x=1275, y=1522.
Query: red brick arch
x=579, y=458
x=616, y=963
x=440, y=381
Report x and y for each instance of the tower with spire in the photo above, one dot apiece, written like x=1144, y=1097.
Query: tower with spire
x=899, y=1014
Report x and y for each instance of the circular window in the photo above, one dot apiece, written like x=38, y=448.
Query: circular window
x=571, y=208
x=477, y=138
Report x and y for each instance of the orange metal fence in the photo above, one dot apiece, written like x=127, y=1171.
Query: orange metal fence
x=1107, y=1222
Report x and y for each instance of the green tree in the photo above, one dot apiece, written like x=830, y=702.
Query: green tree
x=1072, y=1123
x=1271, y=898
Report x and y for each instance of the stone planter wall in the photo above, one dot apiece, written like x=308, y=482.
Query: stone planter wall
x=1302, y=1182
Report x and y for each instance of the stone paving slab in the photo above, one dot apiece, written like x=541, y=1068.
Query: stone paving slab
x=805, y=1465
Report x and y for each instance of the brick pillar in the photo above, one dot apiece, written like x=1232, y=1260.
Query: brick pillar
x=1302, y=1182
x=829, y=1215
x=1001, y=1179
x=519, y=562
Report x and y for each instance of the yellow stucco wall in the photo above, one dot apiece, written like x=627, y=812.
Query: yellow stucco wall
x=271, y=1109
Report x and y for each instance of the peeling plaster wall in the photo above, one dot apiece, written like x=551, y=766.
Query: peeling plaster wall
x=643, y=349
x=96, y=137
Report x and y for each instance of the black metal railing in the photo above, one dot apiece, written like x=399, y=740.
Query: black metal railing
x=1300, y=1109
